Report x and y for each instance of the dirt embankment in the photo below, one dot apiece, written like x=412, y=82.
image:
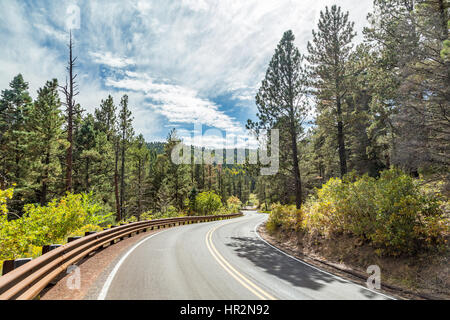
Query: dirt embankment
x=425, y=276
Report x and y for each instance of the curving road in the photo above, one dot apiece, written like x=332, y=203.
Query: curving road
x=220, y=260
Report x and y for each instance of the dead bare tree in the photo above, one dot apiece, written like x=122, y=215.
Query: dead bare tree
x=70, y=90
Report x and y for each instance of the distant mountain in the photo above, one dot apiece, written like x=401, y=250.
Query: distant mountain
x=158, y=148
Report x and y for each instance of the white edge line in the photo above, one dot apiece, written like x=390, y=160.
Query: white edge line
x=309, y=265
x=107, y=284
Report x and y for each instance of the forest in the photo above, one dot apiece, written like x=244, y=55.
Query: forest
x=364, y=141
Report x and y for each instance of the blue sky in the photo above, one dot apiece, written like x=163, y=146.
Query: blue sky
x=180, y=62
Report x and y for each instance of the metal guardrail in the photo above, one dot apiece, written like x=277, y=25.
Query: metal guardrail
x=28, y=280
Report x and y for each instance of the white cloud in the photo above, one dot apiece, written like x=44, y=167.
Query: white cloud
x=108, y=59
x=195, y=51
x=178, y=104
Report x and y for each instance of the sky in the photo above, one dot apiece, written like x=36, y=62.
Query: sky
x=181, y=62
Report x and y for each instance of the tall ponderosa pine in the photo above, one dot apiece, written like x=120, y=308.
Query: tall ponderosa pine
x=140, y=158
x=177, y=175
x=87, y=152
x=46, y=143
x=105, y=117
x=15, y=104
x=410, y=36
x=126, y=132
x=106, y=122
x=328, y=54
x=281, y=100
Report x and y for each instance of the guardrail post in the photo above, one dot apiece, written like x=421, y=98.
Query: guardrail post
x=70, y=239
x=88, y=233
x=8, y=266
x=50, y=247
x=20, y=262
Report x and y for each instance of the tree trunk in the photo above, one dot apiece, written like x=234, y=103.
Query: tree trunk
x=444, y=19
x=44, y=189
x=122, y=179
x=116, y=183
x=341, y=141
x=298, y=181
x=139, y=187
x=87, y=175
x=70, y=107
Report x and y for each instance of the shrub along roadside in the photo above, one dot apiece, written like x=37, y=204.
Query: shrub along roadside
x=392, y=213
x=71, y=215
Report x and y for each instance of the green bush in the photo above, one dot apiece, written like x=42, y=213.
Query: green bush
x=208, y=203
x=253, y=200
x=286, y=217
x=128, y=220
x=170, y=212
x=234, y=204
x=393, y=213
x=146, y=216
x=41, y=225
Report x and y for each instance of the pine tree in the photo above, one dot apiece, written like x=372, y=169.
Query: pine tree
x=106, y=121
x=127, y=132
x=410, y=36
x=15, y=104
x=177, y=175
x=281, y=100
x=328, y=54
x=105, y=117
x=46, y=143
x=139, y=157
x=86, y=153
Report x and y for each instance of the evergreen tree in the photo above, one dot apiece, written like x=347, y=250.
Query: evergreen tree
x=15, y=104
x=328, y=55
x=139, y=157
x=410, y=36
x=105, y=117
x=281, y=100
x=178, y=175
x=86, y=154
x=127, y=132
x=46, y=143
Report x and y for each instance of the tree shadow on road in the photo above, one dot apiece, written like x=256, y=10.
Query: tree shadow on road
x=288, y=269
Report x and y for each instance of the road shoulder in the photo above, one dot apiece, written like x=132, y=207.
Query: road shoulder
x=94, y=271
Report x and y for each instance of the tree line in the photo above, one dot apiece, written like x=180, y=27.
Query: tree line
x=51, y=146
x=363, y=108
x=340, y=108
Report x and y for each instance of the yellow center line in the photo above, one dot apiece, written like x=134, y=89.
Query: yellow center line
x=257, y=291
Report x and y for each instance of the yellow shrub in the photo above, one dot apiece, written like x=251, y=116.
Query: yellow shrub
x=146, y=216
x=285, y=217
x=87, y=228
x=392, y=212
x=52, y=224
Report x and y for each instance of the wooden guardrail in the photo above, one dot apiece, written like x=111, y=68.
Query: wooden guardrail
x=28, y=280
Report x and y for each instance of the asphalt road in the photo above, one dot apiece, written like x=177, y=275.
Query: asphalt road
x=220, y=260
